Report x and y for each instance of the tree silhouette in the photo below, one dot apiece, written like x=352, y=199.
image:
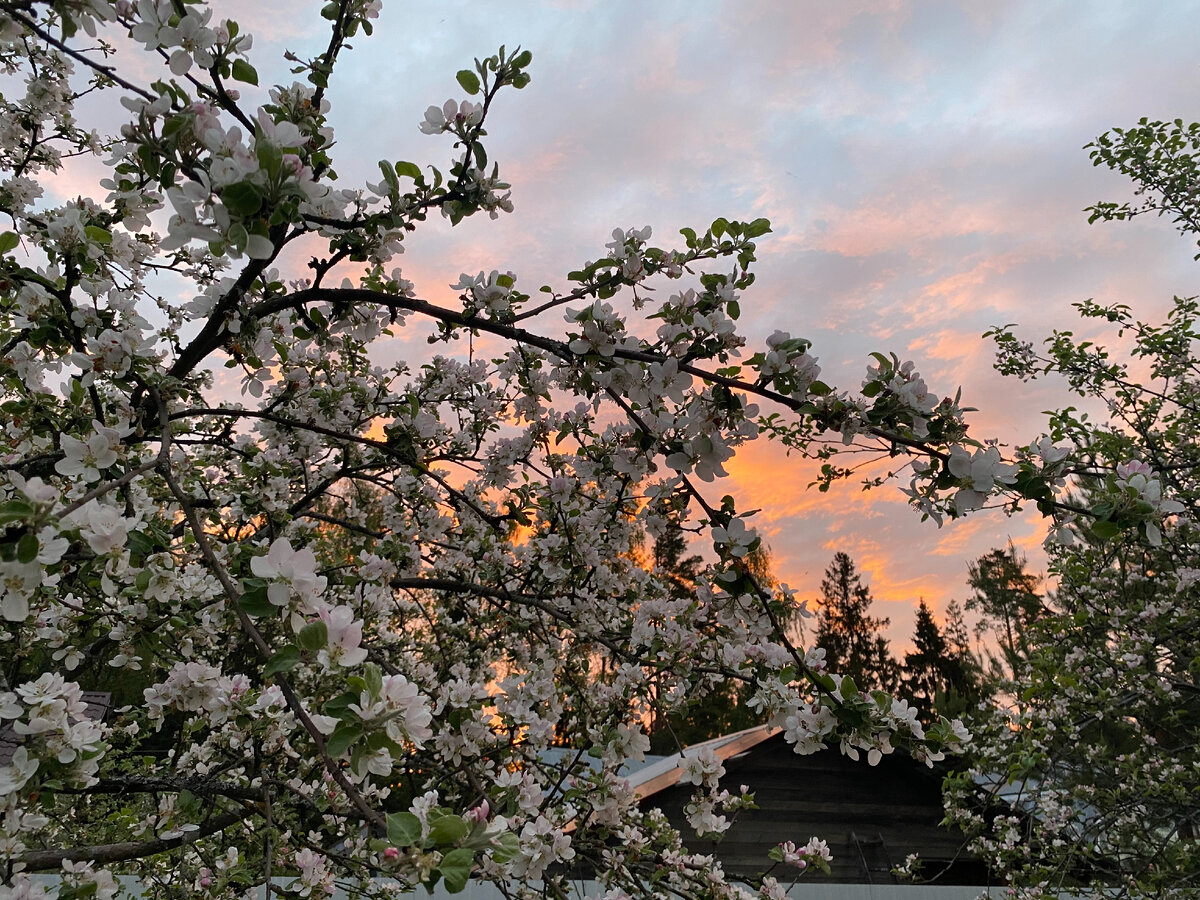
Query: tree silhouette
x=941, y=675
x=1007, y=600
x=851, y=638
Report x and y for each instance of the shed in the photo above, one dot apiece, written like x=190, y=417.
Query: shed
x=872, y=817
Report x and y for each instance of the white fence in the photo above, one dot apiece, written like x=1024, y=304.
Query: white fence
x=486, y=891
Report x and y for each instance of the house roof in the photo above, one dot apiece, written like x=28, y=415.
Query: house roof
x=666, y=772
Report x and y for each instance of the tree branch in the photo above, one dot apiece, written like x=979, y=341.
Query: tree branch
x=106, y=854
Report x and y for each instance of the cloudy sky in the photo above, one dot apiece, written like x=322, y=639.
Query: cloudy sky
x=921, y=163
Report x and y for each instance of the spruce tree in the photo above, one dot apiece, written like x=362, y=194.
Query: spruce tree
x=1007, y=600
x=851, y=638
x=941, y=675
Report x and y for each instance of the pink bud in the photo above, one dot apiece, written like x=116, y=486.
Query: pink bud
x=391, y=854
x=478, y=813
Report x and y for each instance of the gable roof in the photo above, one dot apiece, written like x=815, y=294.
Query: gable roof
x=666, y=772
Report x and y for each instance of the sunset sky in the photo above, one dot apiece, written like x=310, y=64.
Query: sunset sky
x=921, y=164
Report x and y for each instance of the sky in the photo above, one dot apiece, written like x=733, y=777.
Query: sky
x=922, y=165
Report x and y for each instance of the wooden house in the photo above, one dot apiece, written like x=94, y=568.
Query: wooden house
x=872, y=817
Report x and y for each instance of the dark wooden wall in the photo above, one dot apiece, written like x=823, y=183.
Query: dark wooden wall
x=894, y=809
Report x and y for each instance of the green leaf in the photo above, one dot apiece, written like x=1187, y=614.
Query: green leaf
x=313, y=636
x=448, y=829
x=339, y=706
x=14, y=511
x=242, y=199
x=8, y=241
x=848, y=689
x=410, y=169
x=244, y=72
x=99, y=235
x=468, y=81
x=403, y=829
x=522, y=59
x=270, y=157
x=456, y=868
x=389, y=175
x=1105, y=530
x=140, y=543
x=27, y=548
x=758, y=228
x=283, y=661
x=343, y=738
x=505, y=847
x=255, y=603
x=374, y=679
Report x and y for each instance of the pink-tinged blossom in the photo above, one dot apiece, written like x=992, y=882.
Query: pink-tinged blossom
x=103, y=527
x=88, y=458
x=315, y=876
x=817, y=849
x=489, y=293
x=979, y=472
x=343, y=647
x=701, y=767
x=905, y=717
x=451, y=115
x=17, y=773
x=291, y=573
x=477, y=815
x=194, y=687
x=630, y=742
x=790, y=856
x=1049, y=454
x=1137, y=479
x=735, y=537
x=400, y=708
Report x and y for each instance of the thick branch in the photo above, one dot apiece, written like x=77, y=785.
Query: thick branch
x=106, y=854
x=195, y=784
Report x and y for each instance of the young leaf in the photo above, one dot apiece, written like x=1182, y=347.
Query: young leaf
x=244, y=72
x=456, y=869
x=313, y=636
x=255, y=603
x=468, y=81
x=343, y=738
x=403, y=829
x=409, y=169
x=448, y=829
x=283, y=661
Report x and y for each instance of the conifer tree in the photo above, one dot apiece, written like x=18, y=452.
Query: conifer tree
x=851, y=638
x=1007, y=600
x=941, y=675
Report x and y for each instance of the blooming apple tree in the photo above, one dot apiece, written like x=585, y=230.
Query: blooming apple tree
x=345, y=610
x=1089, y=774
